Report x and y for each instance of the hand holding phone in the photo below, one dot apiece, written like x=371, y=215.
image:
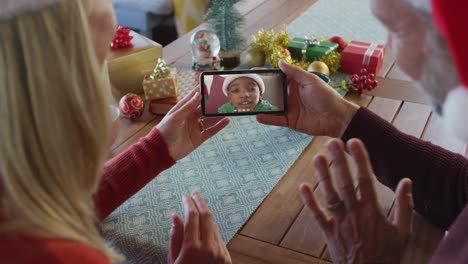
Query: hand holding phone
x=245, y=92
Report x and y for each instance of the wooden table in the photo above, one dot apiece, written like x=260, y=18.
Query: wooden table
x=281, y=230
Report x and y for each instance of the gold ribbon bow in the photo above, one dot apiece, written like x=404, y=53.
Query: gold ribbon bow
x=161, y=70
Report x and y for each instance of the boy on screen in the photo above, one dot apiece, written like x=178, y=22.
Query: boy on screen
x=245, y=92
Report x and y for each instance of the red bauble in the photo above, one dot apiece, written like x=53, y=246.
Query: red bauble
x=338, y=40
x=131, y=106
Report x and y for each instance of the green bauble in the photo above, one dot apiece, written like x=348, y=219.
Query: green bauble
x=255, y=58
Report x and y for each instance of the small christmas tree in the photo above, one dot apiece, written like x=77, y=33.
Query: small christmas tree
x=225, y=20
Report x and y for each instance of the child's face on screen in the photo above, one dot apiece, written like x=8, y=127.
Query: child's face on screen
x=244, y=93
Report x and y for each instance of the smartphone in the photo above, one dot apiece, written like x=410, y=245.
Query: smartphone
x=244, y=92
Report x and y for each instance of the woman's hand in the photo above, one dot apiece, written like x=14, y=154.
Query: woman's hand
x=356, y=230
x=198, y=240
x=314, y=107
x=182, y=129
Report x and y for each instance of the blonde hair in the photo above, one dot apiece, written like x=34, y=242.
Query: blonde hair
x=55, y=125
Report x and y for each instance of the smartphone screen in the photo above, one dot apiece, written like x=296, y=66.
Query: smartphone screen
x=245, y=92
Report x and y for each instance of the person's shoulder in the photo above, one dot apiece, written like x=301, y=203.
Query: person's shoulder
x=25, y=249
x=226, y=108
x=265, y=105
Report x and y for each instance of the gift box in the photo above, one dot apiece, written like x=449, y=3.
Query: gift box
x=314, y=49
x=358, y=55
x=159, y=88
x=162, y=106
x=127, y=66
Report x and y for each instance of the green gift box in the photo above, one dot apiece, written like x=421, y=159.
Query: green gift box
x=312, y=49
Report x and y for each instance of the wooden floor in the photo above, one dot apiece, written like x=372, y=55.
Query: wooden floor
x=281, y=230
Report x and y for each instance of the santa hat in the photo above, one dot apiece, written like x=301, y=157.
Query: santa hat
x=230, y=78
x=13, y=8
x=450, y=18
x=424, y=5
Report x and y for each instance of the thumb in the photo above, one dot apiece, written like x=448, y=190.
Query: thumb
x=296, y=73
x=190, y=105
x=177, y=236
x=273, y=120
x=403, y=217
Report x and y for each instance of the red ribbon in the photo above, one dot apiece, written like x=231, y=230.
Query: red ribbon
x=122, y=38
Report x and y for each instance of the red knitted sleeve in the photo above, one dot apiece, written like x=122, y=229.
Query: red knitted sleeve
x=127, y=173
x=439, y=176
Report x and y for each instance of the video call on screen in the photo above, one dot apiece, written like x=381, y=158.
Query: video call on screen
x=243, y=93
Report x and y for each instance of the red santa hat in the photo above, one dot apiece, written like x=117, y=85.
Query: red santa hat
x=450, y=18
x=13, y=8
x=230, y=78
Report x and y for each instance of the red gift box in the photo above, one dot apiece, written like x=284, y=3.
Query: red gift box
x=162, y=106
x=358, y=55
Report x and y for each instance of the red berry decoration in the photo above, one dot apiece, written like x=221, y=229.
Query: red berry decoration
x=362, y=81
x=122, y=38
x=131, y=106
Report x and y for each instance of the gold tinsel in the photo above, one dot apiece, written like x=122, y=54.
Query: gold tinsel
x=332, y=60
x=273, y=45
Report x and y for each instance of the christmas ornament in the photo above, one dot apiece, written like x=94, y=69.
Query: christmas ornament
x=131, y=106
x=255, y=58
x=122, y=39
x=322, y=76
x=340, y=41
x=319, y=66
x=362, y=81
x=205, y=47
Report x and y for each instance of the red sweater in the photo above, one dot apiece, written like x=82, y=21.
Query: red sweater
x=123, y=176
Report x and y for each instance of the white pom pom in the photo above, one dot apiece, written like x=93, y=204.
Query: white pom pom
x=424, y=5
x=455, y=112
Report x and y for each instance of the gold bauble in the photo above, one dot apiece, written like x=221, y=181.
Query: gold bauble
x=255, y=58
x=319, y=66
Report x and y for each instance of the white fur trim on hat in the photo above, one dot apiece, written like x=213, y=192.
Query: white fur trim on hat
x=424, y=5
x=13, y=8
x=455, y=112
x=230, y=78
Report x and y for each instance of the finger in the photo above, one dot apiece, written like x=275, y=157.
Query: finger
x=191, y=100
x=192, y=221
x=213, y=130
x=364, y=169
x=342, y=173
x=326, y=185
x=273, y=120
x=309, y=200
x=297, y=73
x=206, y=219
x=404, y=205
x=211, y=121
x=177, y=236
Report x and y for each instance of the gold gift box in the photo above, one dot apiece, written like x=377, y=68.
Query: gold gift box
x=127, y=66
x=162, y=87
